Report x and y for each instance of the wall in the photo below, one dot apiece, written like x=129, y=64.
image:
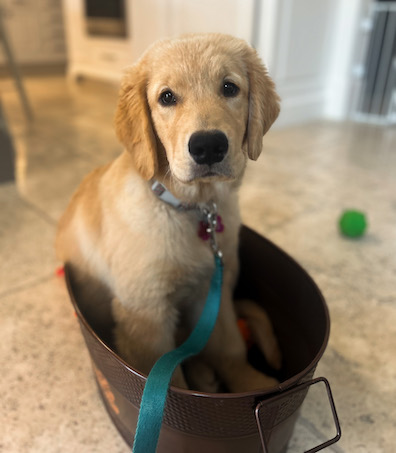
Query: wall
x=300, y=46
x=348, y=48
x=308, y=47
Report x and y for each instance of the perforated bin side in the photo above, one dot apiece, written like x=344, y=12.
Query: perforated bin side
x=193, y=413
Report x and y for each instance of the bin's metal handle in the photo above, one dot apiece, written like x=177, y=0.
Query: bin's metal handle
x=295, y=389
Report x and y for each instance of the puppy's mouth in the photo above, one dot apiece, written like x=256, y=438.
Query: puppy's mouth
x=210, y=174
x=207, y=173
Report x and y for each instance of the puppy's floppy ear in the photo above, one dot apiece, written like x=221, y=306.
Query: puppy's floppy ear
x=263, y=104
x=133, y=122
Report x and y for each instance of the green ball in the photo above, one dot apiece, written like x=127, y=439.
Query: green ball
x=353, y=223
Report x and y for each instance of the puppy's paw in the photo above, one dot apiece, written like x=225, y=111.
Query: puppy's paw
x=262, y=331
x=247, y=379
x=270, y=348
x=201, y=376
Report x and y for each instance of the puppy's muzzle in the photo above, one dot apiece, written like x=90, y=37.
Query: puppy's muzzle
x=208, y=147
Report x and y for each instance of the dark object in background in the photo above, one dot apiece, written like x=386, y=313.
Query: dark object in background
x=6, y=151
x=106, y=18
x=378, y=94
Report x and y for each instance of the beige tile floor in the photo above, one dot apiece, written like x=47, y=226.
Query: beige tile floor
x=294, y=195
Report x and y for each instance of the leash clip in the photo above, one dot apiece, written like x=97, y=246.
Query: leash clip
x=210, y=219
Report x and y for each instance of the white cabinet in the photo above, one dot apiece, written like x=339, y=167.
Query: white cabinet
x=147, y=21
x=35, y=31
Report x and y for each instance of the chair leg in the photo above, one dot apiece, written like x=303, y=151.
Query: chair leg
x=15, y=71
x=7, y=154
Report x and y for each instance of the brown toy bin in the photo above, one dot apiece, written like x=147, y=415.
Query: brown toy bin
x=251, y=422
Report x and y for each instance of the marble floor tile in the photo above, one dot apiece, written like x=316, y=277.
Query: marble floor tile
x=71, y=134
x=26, y=241
x=50, y=185
x=49, y=400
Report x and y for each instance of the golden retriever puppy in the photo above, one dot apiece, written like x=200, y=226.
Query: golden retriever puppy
x=191, y=112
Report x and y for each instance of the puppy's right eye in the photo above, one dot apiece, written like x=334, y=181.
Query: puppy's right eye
x=167, y=98
x=230, y=90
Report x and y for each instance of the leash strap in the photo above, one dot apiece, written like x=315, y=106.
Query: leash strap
x=156, y=389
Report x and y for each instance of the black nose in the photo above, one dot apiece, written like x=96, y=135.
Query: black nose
x=208, y=147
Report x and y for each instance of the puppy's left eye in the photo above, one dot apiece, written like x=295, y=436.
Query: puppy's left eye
x=230, y=90
x=167, y=98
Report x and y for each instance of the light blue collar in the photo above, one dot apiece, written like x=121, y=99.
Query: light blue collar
x=167, y=196
x=207, y=213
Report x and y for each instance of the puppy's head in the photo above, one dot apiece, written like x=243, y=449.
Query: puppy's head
x=205, y=101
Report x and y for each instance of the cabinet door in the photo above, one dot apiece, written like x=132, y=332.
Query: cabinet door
x=233, y=17
x=150, y=20
x=301, y=51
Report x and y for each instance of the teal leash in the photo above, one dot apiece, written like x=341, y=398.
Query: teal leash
x=156, y=389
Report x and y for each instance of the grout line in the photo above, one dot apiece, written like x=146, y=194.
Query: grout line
x=318, y=434
x=24, y=286
x=33, y=207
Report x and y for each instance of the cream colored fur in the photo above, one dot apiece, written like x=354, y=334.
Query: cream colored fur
x=120, y=237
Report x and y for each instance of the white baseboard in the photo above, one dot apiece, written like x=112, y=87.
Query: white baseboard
x=301, y=101
x=75, y=71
